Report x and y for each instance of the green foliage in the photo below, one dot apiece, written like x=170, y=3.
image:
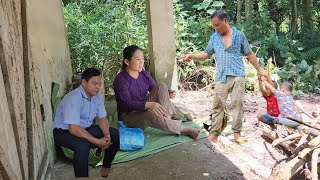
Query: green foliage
x=99, y=30
x=208, y=6
x=193, y=31
x=311, y=53
x=303, y=75
x=266, y=43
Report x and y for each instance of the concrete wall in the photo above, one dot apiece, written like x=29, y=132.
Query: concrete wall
x=33, y=54
x=13, y=138
x=49, y=61
x=162, y=42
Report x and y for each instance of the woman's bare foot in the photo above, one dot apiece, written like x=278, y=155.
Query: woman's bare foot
x=213, y=138
x=192, y=132
x=104, y=172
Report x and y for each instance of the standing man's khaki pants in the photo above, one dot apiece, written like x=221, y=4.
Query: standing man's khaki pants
x=235, y=86
x=147, y=118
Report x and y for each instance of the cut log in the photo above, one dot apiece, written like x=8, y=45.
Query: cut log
x=314, y=164
x=314, y=142
x=310, y=131
x=272, y=135
x=304, y=137
x=307, y=173
x=301, y=142
x=287, y=170
x=288, y=138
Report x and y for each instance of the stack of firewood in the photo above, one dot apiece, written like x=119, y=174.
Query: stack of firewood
x=304, y=147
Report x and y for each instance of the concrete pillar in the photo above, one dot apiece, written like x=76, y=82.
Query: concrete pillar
x=162, y=47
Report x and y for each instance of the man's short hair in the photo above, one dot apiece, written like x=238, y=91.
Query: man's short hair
x=275, y=85
x=288, y=86
x=221, y=14
x=89, y=73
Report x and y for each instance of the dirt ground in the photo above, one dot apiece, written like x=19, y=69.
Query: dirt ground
x=258, y=147
x=200, y=160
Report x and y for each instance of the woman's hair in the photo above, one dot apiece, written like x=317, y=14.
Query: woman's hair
x=128, y=53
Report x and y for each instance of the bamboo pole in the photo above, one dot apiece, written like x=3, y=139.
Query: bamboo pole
x=311, y=126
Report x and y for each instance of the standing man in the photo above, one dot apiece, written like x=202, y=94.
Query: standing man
x=229, y=45
x=73, y=126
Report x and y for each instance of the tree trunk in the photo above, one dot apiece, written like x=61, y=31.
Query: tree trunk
x=255, y=6
x=294, y=19
x=307, y=20
x=239, y=7
x=248, y=9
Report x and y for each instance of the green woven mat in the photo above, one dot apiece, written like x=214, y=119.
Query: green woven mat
x=157, y=141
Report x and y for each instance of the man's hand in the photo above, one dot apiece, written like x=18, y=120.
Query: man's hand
x=187, y=57
x=172, y=94
x=156, y=108
x=263, y=78
x=108, y=138
x=261, y=73
x=102, y=143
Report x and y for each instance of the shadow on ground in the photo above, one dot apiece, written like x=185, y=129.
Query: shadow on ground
x=194, y=161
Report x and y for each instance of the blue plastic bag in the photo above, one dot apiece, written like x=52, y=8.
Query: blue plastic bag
x=131, y=139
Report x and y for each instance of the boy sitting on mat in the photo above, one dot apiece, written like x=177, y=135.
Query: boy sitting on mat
x=285, y=104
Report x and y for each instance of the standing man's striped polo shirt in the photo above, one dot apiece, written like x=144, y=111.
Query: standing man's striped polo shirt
x=229, y=61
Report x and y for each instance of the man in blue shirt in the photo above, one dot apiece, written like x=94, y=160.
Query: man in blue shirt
x=229, y=46
x=73, y=126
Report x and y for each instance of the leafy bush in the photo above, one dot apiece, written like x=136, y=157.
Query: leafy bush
x=193, y=30
x=304, y=76
x=98, y=31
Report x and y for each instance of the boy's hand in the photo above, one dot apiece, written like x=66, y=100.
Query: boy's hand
x=263, y=73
